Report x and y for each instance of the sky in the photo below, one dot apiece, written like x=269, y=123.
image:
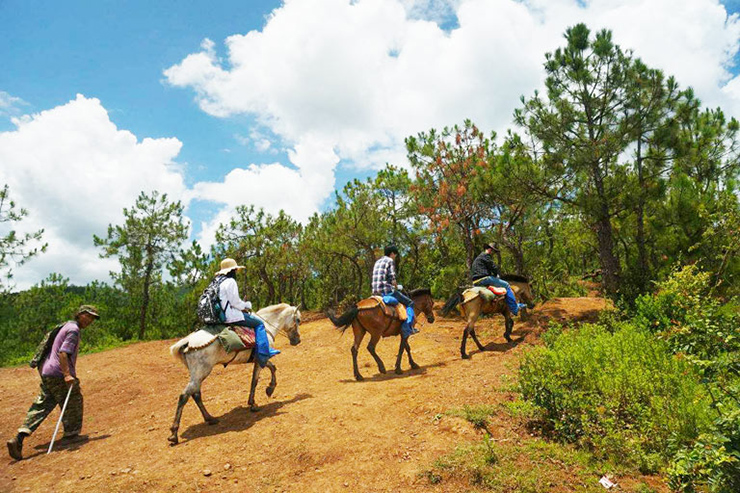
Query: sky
x=278, y=104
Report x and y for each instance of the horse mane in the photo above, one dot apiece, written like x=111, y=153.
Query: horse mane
x=514, y=277
x=420, y=291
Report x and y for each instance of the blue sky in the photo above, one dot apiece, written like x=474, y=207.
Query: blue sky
x=279, y=104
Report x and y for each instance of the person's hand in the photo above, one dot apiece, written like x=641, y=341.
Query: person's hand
x=69, y=379
x=399, y=287
x=249, y=306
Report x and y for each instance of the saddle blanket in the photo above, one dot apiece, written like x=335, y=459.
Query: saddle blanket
x=373, y=301
x=485, y=293
x=232, y=337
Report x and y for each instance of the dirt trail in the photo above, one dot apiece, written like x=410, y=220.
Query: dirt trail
x=321, y=430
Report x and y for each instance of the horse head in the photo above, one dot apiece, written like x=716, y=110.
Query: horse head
x=292, y=330
x=282, y=318
x=522, y=288
x=424, y=303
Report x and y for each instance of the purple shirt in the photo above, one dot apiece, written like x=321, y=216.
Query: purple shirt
x=66, y=341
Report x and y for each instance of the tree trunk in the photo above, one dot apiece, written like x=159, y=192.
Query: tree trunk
x=642, y=263
x=270, y=287
x=145, y=299
x=609, y=262
x=605, y=235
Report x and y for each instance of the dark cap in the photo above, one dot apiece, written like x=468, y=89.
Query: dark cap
x=390, y=249
x=87, y=309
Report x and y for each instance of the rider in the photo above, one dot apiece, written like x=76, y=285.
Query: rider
x=384, y=284
x=236, y=310
x=484, y=273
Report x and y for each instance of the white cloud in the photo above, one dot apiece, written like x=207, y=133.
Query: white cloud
x=75, y=171
x=10, y=105
x=272, y=187
x=357, y=77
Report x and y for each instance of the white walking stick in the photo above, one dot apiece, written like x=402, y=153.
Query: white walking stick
x=56, y=430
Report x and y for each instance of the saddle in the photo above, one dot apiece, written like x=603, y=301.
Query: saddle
x=489, y=294
x=398, y=311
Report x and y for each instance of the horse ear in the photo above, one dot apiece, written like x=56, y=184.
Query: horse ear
x=299, y=306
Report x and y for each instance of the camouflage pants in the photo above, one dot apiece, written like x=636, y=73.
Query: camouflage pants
x=52, y=394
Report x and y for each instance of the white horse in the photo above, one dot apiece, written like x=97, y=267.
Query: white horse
x=200, y=352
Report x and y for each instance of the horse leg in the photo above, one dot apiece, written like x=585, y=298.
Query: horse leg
x=413, y=364
x=466, y=331
x=374, y=338
x=206, y=416
x=273, y=379
x=176, y=422
x=255, y=378
x=400, y=354
x=475, y=339
x=359, y=334
x=199, y=370
x=509, y=324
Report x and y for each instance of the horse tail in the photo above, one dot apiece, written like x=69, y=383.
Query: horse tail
x=345, y=320
x=454, y=300
x=177, y=349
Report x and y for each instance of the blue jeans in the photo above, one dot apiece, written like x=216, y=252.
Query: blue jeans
x=262, y=343
x=500, y=283
x=407, y=326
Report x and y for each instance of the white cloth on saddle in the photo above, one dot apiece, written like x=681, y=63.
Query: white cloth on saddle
x=199, y=339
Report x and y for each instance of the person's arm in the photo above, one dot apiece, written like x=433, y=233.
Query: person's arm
x=492, y=267
x=392, y=273
x=64, y=365
x=68, y=346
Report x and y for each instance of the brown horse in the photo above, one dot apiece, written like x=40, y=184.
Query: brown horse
x=473, y=308
x=380, y=324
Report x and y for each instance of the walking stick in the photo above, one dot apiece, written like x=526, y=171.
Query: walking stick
x=56, y=430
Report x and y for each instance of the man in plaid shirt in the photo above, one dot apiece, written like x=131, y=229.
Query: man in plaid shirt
x=384, y=284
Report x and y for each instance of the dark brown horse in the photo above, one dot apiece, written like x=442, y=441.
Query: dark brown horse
x=381, y=323
x=474, y=307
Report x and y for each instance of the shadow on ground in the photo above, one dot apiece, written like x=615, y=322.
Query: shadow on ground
x=65, y=445
x=239, y=419
x=390, y=374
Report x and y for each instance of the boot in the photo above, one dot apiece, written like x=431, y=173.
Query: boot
x=15, y=446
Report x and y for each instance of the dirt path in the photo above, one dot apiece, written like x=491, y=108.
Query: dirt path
x=321, y=430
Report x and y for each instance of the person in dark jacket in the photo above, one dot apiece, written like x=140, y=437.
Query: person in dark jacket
x=484, y=272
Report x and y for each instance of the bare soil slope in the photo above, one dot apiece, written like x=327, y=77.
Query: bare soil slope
x=321, y=430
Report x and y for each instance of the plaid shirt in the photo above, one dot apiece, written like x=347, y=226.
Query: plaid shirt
x=384, y=275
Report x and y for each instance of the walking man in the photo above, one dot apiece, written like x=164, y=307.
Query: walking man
x=58, y=373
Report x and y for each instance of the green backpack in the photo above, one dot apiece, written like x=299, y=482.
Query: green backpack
x=44, y=347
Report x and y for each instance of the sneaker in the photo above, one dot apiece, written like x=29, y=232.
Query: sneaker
x=521, y=306
x=15, y=448
x=414, y=330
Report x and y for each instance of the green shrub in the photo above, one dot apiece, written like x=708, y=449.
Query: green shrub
x=621, y=394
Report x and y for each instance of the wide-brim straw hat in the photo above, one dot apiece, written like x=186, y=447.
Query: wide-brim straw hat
x=227, y=265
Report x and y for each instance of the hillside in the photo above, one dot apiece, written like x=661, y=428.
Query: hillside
x=321, y=430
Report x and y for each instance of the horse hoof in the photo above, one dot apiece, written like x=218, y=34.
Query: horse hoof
x=359, y=378
x=465, y=356
x=269, y=391
x=415, y=366
x=173, y=440
x=399, y=371
x=382, y=370
x=212, y=421
x=508, y=339
x=254, y=409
